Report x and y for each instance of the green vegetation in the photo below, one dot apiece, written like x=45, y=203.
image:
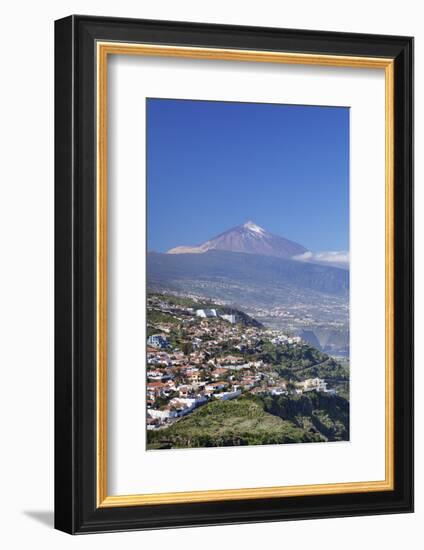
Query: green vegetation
x=175, y=300
x=330, y=370
x=304, y=361
x=249, y=420
x=155, y=316
x=286, y=356
x=327, y=414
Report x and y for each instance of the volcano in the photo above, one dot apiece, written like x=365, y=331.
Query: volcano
x=248, y=238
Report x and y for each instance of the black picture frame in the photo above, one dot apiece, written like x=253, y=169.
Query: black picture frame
x=76, y=510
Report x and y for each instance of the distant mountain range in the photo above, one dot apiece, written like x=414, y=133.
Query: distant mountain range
x=248, y=238
x=237, y=276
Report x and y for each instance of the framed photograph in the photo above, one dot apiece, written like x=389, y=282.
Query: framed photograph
x=234, y=274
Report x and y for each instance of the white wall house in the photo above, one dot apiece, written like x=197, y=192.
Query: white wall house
x=162, y=414
x=206, y=313
x=230, y=317
x=314, y=384
x=226, y=395
x=157, y=341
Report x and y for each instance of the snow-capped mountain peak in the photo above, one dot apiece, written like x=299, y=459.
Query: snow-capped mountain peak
x=248, y=238
x=251, y=226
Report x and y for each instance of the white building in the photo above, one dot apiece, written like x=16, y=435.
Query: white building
x=230, y=317
x=278, y=391
x=236, y=367
x=184, y=405
x=226, y=395
x=215, y=386
x=155, y=375
x=314, y=384
x=204, y=313
x=157, y=341
x=162, y=414
x=278, y=340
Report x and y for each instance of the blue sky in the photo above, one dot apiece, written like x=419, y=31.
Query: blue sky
x=213, y=165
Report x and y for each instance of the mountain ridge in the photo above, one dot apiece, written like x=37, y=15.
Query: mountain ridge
x=248, y=238
x=219, y=267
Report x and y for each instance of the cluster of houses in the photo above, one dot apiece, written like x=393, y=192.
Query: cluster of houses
x=209, y=362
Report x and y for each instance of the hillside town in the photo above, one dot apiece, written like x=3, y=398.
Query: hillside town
x=198, y=353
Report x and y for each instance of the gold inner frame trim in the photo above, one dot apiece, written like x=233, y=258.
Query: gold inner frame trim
x=103, y=50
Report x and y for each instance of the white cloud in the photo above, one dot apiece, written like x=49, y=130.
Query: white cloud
x=339, y=258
